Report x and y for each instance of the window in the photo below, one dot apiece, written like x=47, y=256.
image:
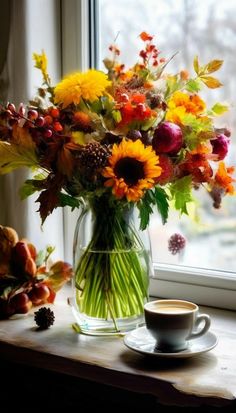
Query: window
x=205, y=272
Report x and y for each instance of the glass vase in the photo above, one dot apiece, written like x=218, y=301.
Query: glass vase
x=112, y=267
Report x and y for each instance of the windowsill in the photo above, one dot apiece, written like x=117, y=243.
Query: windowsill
x=209, y=378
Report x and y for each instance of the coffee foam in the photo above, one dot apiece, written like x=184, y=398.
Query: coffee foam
x=170, y=309
x=171, y=306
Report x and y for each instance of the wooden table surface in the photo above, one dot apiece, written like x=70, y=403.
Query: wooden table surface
x=210, y=376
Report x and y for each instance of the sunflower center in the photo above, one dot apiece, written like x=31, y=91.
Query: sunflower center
x=130, y=169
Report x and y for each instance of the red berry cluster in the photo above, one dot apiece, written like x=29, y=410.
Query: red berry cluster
x=47, y=122
x=150, y=53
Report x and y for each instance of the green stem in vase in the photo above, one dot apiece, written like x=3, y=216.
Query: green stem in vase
x=110, y=277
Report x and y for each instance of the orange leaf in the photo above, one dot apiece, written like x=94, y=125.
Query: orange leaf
x=211, y=82
x=22, y=137
x=60, y=273
x=145, y=36
x=213, y=66
x=65, y=161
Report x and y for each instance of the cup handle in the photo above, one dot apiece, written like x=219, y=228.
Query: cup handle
x=207, y=323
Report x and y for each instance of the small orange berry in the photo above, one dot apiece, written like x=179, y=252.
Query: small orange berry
x=55, y=113
x=82, y=118
x=184, y=75
x=48, y=119
x=57, y=127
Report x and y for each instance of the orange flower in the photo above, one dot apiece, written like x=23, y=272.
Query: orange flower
x=198, y=166
x=181, y=103
x=145, y=36
x=224, y=179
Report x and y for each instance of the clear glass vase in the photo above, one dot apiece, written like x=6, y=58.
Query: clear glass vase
x=112, y=267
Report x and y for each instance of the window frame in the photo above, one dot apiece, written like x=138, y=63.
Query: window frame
x=80, y=35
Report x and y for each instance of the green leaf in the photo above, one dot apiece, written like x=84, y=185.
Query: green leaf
x=116, y=116
x=162, y=204
x=173, y=84
x=157, y=197
x=68, y=200
x=145, y=209
x=148, y=124
x=193, y=85
x=15, y=156
x=40, y=258
x=181, y=193
x=27, y=189
x=219, y=108
x=196, y=64
x=31, y=186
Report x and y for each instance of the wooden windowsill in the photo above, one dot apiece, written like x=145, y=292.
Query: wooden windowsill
x=209, y=377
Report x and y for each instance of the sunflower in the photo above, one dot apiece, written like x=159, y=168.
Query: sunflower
x=89, y=85
x=132, y=169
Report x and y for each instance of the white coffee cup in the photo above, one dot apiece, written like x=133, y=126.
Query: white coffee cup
x=174, y=322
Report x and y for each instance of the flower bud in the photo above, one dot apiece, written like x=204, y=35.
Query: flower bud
x=220, y=146
x=168, y=138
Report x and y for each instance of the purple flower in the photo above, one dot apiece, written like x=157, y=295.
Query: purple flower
x=176, y=243
x=220, y=146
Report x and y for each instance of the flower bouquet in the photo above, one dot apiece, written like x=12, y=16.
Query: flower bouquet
x=118, y=142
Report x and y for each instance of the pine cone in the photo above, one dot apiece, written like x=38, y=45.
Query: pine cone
x=44, y=318
x=94, y=155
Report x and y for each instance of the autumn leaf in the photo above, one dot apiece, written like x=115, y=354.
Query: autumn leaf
x=15, y=156
x=22, y=137
x=196, y=64
x=59, y=274
x=65, y=161
x=49, y=199
x=48, y=202
x=213, y=66
x=145, y=36
x=211, y=82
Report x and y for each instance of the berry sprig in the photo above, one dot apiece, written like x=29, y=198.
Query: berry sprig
x=150, y=54
x=48, y=123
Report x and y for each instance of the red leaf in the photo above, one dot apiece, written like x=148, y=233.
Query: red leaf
x=145, y=36
x=49, y=199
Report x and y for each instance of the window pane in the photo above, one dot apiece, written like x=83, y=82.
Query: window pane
x=189, y=27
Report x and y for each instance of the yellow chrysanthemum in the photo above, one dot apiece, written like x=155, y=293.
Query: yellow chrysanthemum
x=181, y=103
x=89, y=86
x=132, y=169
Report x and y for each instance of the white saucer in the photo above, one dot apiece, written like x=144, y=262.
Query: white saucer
x=141, y=341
